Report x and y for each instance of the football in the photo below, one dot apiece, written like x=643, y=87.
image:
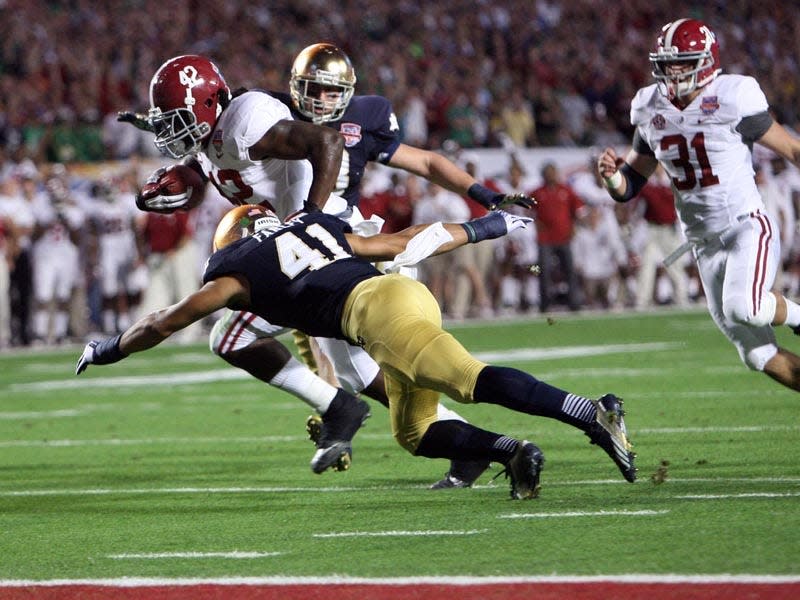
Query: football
x=179, y=179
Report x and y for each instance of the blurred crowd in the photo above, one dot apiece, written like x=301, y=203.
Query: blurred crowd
x=527, y=72
x=77, y=258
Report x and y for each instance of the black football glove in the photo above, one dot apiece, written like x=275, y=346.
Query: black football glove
x=491, y=200
x=138, y=120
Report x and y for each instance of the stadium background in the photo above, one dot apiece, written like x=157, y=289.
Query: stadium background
x=488, y=82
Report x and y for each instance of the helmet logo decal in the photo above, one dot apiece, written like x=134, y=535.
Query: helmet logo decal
x=188, y=77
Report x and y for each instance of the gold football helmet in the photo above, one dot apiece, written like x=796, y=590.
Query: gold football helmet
x=244, y=221
x=322, y=83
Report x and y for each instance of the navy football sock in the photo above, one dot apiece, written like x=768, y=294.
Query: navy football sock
x=458, y=440
x=522, y=392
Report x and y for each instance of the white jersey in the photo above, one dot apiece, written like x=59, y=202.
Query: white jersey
x=282, y=185
x=708, y=161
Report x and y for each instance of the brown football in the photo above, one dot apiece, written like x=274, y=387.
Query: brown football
x=178, y=179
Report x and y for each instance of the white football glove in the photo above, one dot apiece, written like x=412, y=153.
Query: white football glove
x=87, y=358
x=150, y=199
x=514, y=222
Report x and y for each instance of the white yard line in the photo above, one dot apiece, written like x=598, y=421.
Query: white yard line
x=343, y=534
x=594, y=513
x=69, y=443
x=157, y=555
x=189, y=490
x=516, y=355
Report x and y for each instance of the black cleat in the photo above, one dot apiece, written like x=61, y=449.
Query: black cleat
x=339, y=424
x=524, y=469
x=610, y=434
x=796, y=329
x=462, y=474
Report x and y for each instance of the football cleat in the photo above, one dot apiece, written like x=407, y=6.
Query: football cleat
x=338, y=456
x=462, y=474
x=524, y=469
x=341, y=421
x=795, y=329
x=610, y=434
x=314, y=428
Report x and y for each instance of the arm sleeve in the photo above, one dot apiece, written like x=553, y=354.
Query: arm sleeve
x=752, y=128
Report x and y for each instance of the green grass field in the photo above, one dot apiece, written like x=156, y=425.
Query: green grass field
x=171, y=464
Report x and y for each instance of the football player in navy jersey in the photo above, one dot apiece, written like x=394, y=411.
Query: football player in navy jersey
x=310, y=274
x=322, y=88
x=322, y=91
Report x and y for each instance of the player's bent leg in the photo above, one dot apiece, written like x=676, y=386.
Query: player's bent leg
x=245, y=342
x=784, y=368
x=523, y=460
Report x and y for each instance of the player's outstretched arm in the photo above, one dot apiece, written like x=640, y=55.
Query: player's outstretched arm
x=442, y=171
x=387, y=246
x=782, y=142
x=152, y=329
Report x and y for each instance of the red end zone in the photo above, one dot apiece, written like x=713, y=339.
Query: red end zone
x=789, y=590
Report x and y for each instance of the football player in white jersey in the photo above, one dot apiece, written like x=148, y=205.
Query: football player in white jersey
x=248, y=147
x=700, y=125
x=252, y=151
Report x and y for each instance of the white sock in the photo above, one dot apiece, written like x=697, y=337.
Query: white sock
x=792, y=313
x=298, y=380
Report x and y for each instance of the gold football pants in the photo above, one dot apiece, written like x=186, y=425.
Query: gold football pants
x=398, y=322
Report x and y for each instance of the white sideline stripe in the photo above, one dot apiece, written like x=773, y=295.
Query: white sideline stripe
x=519, y=354
x=396, y=533
x=372, y=436
x=335, y=489
x=150, y=441
x=596, y=513
x=669, y=578
x=157, y=555
x=742, y=495
x=183, y=490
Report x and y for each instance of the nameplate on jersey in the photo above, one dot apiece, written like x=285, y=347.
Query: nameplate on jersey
x=351, y=133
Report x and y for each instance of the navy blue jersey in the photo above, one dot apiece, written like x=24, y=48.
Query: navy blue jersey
x=371, y=133
x=300, y=276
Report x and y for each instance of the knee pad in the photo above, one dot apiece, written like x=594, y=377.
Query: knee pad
x=738, y=311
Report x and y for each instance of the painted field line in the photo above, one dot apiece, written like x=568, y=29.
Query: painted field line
x=593, y=513
x=519, y=354
x=669, y=578
x=158, y=555
x=348, y=534
x=743, y=495
x=152, y=441
x=335, y=489
x=68, y=443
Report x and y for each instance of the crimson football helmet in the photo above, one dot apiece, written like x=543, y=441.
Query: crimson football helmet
x=686, y=57
x=322, y=83
x=244, y=221
x=187, y=95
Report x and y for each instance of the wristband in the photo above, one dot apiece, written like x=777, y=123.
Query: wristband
x=107, y=351
x=615, y=181
x=489, y=227
x=483, y=196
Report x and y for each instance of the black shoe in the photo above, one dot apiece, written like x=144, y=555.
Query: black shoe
x=610, y=434
x=462, y=474
x=341, y=421
x=524, y=469
x=796, y=329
